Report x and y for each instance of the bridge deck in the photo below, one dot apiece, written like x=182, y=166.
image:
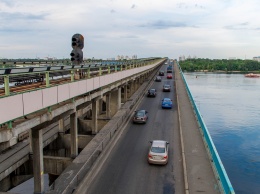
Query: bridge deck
x=200, y=176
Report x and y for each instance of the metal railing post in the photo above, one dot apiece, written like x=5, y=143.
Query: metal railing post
x=7, y=87
x=72, y=75
x=100, y=71
x=47, y=78
x=88, y=72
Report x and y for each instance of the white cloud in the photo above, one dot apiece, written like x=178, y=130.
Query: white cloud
x=208, y=29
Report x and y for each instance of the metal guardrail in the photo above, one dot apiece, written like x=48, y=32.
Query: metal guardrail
x=32, y=66
x=218, y=166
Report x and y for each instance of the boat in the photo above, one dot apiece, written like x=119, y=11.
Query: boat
x=252, y=75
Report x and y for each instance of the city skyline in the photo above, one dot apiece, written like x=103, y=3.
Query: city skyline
x=215, y=29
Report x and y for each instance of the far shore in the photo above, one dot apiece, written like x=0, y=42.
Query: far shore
x=228, y=72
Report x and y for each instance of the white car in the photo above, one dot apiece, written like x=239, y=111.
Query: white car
x=158, y=152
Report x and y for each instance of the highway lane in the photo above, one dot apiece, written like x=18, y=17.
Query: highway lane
x=126, y=170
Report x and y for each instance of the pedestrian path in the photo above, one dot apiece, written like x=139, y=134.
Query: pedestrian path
x=200, y=177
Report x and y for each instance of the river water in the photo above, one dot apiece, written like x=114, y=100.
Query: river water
x=230, y=107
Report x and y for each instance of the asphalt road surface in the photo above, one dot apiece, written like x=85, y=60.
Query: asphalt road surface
x=126, y=170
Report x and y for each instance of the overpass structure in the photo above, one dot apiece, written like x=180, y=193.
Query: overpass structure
x=63, y=129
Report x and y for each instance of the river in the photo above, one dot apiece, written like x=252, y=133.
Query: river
x=230, y=107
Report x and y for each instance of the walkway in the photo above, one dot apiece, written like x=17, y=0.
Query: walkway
x=200, y=176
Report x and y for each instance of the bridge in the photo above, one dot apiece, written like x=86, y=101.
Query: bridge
x=70, y=126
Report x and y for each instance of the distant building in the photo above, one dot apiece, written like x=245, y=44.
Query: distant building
x=50, y=58
x=122, y=57
x=256, y=58
x=182, y=58
x=134, y=57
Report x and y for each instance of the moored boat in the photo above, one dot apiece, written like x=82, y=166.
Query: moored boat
x=252, y=75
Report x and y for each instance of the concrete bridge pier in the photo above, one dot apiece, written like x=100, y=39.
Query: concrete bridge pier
x=125, y=93
x=136, y=84
x=37, y=149
x=61, y=127
x=94, y=115
x=115, y=102
x=141, y=80
x=108, y=111
x=131, y=88
x=74, y=134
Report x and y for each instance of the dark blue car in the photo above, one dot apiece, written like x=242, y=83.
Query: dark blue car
x=167, y=103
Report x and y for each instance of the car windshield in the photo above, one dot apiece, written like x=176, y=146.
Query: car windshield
x=166, y=86
x=167, y=100
x=158, y=150
x=152, y=91
x=139, y=114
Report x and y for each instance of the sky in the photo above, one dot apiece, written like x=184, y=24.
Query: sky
x=215, y=29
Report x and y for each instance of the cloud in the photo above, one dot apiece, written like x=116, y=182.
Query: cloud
x=14, y=30
x=129, y=36
x=162, y=24
x=21, y=16
x=241, y=26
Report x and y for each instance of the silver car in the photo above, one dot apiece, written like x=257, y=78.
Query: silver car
x=140, y=116
x=158, y=152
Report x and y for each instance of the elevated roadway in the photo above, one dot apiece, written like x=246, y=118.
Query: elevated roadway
x=124, y=169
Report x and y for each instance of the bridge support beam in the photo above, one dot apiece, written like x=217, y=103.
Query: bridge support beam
x=74, y=134
x=37, y=148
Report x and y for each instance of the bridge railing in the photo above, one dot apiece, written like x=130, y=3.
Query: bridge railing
x=217, y=164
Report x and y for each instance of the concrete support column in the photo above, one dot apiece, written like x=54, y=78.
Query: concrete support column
x=136, y=84
x=125, y=93
x=94, y=116
x=61, y=125
x=115, y=101
x=100, y=106
x=80, y=112
x=108, y=111
x=130, y=88
x=74, y=134
x=141, y=79
x=38, y=171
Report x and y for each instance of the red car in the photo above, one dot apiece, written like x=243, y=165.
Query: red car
x=169, y=76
